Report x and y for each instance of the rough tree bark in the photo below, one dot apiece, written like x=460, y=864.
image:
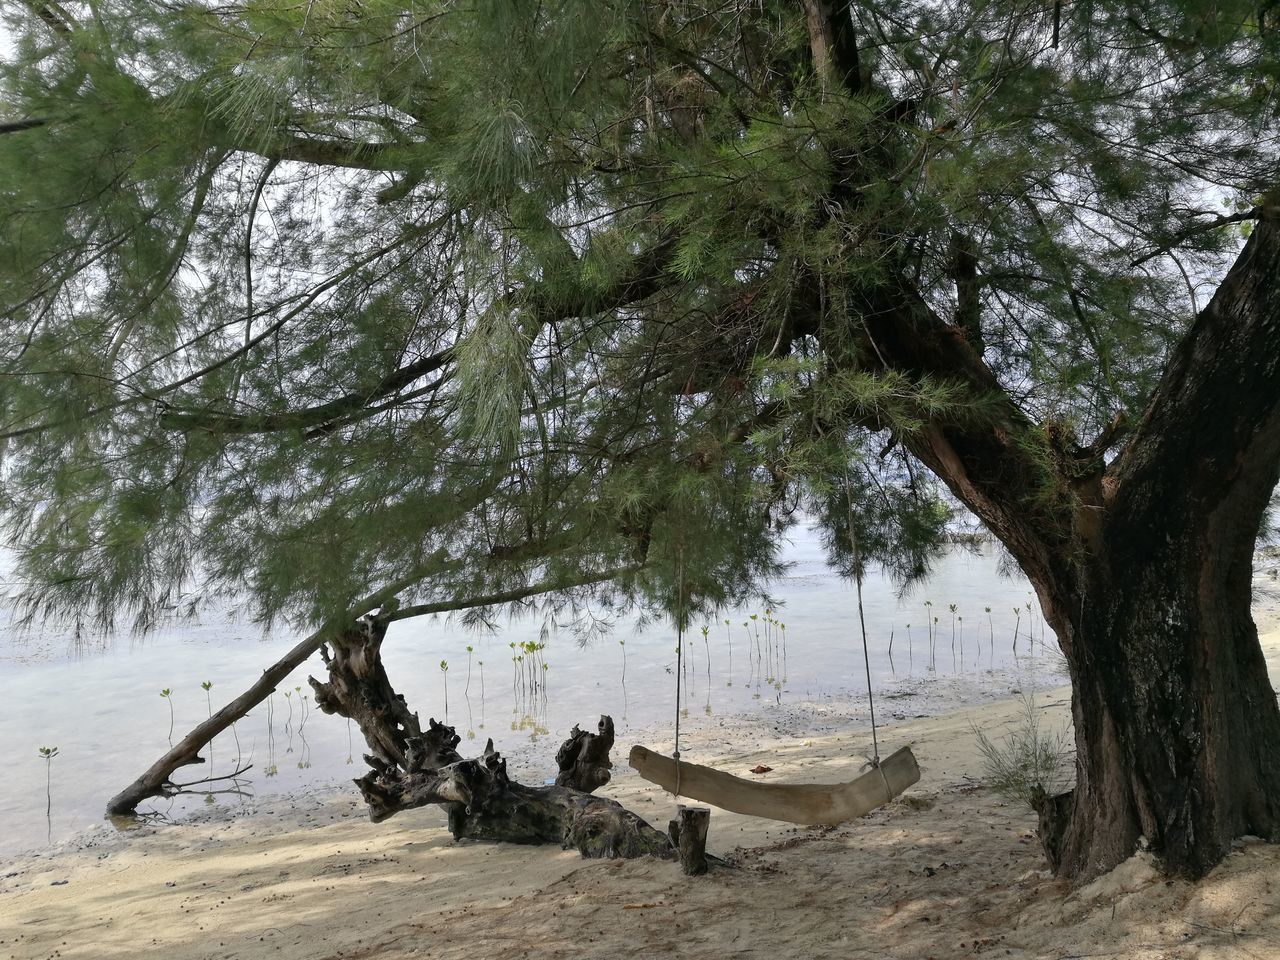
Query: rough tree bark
x=410, y=768
x=1176, y=720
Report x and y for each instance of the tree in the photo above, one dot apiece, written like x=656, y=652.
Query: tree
x=332, y=301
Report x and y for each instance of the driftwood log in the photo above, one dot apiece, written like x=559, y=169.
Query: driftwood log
x=410, y=767
x=157, y=780
x=793, y=802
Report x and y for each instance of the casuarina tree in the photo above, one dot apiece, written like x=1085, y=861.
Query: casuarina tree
x=327, y=304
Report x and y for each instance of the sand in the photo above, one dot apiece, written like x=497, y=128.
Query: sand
x=948, y=870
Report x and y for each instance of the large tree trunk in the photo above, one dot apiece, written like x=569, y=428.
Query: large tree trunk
x=1176, y=723
x=1142, y=566
x=1177, y=727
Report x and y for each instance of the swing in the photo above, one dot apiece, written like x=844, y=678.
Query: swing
x=807, y=803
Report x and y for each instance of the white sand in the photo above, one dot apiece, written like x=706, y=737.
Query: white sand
x=950, y=870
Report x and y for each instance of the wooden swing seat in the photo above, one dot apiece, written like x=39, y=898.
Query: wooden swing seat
x=811, y=803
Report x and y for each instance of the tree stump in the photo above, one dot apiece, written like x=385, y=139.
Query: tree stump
x=584, y=758
x=1054, y=814
x=689, y=836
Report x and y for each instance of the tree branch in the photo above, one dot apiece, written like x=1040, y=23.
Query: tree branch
x=1182, y=236
x=1208, y=442
x=16, y=126
x=643, y=280
x=833, y=43
x=318, y=416
x=511, y=596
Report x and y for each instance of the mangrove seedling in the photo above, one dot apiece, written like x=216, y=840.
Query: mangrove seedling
x=729, y=633
x=168, y=694
x=782, y=627
x=271, y=769
x=952, y=608
x=444, y=675
x=304, y=762
x=48, y=753
x=207, y=686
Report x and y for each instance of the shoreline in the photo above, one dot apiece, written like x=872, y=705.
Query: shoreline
x=914, y=697
x=948, y=869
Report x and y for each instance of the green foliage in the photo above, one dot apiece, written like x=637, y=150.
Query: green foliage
x=1028, y=760
x=312, y=305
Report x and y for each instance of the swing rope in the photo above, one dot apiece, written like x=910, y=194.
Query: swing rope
x=866, y=662
x=862, y=621
x=675, y=754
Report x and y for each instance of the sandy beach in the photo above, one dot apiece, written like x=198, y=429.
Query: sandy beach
x=949, y=869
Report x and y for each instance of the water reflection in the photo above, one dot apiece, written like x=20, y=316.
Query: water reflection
x=806, y=647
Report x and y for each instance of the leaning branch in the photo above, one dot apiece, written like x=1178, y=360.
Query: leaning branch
x=1182, y=236
x=16, y=126
x=512, y=596
x=157, y=780
x=320, y=415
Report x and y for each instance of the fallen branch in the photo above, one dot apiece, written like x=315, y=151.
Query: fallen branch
x=157, y=780
x=483, y=803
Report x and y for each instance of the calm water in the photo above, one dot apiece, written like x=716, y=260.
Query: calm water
x=104, y=712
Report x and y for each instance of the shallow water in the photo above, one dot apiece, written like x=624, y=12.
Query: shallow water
x=104, y=712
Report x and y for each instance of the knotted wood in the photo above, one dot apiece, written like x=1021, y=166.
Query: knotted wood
x=410, y=767
x=583, y=759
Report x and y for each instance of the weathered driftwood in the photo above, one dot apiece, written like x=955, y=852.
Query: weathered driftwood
x=358, y=688
x=412, y=768
x=583, y=759
x=688, y=832
x=483, y=803
x=157, y=780
x=795, y=803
